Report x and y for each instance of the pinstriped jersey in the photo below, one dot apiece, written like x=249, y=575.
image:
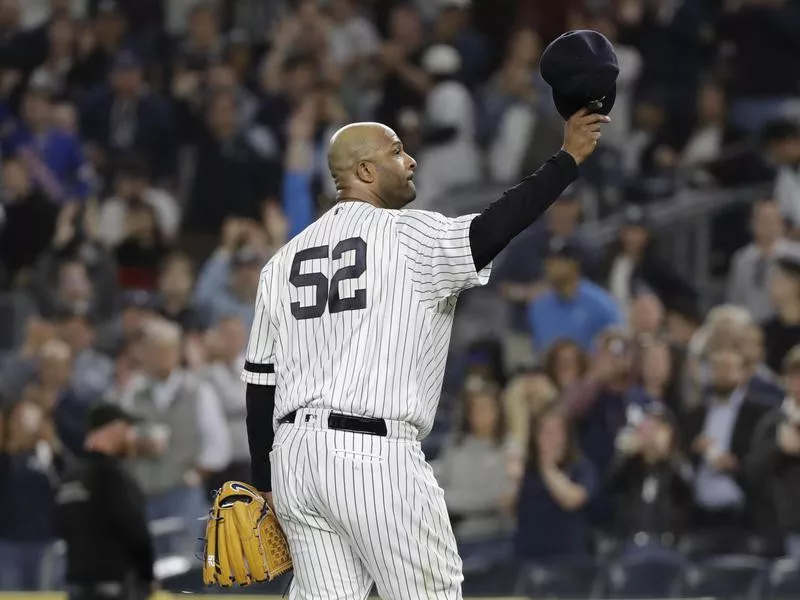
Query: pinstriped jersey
x=354, y=314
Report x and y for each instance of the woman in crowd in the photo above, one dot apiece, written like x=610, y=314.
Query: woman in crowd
x=565, y=363
x=651, y=483
x=141, y=249
x=29, y=456
x=556, y=488
x=656, y=384
x=175, y=286
x=473, y=469
x=527, y=393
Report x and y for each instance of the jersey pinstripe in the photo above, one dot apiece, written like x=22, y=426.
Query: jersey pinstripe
x=355, y=313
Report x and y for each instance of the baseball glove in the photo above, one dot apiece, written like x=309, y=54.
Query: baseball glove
x=244, y=542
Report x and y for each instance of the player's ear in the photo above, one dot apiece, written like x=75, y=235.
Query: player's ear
x=365, y=171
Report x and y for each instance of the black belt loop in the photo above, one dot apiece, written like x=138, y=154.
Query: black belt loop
x=341, y=422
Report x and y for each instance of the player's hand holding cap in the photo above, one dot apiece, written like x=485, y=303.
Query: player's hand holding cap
x=581, y=68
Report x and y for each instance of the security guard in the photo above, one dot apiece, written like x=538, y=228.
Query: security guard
x=101, y=515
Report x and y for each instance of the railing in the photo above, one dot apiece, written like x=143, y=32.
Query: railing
x=682, y=223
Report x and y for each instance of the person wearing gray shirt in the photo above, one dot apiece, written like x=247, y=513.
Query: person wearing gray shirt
x=750, y=268
x=474, y=472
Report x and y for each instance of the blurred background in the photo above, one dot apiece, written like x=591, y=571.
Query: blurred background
x=621, y=408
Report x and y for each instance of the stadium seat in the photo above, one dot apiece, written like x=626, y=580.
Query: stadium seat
x=731, y=577
x=645, y=576
x=700, y=546
x=784, y=579
x=565, y=579
x=496, y=579
x=479, y=554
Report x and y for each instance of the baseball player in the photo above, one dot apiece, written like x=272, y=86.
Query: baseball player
x=346, y=359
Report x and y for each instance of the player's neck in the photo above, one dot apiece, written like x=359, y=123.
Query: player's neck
x=367, y=197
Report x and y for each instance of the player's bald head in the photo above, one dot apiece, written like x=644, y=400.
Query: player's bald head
x=355, y=143
x=367, y=162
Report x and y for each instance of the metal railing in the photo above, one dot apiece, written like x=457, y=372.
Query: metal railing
x=682, y=223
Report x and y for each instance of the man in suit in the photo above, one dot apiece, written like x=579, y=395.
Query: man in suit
x=720, y=431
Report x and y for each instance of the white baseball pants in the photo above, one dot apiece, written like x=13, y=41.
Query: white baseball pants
x=358, y=508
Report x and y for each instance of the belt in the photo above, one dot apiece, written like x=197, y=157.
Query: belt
x=343, y=422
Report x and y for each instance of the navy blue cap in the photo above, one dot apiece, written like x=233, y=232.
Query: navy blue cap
x=581, y=68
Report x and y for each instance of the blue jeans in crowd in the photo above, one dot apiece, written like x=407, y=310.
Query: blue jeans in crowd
x=24, y=566
x=187, y=503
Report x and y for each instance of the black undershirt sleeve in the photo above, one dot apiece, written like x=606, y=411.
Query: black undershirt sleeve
x=260, y=435
x=518, y=207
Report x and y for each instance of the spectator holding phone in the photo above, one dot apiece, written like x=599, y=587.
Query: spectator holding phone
x=55, y=158
x=651, y=483
x=598, y=402
x=29, y=458
x=228, y=282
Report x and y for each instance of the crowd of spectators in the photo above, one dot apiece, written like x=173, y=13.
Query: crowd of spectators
x=155, y=154
x=638, y=423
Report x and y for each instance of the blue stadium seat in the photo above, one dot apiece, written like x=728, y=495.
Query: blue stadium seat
x=565, y=579
x=784, y=579
x=731, y=577
x=644, y=576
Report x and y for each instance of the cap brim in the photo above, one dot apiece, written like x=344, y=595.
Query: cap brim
x=568, y=105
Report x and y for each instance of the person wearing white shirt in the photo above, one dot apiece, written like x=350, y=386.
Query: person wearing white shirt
x=352, y=37
x=132, y=184
x=226, y=343
x=450, y=155
x=748, y=283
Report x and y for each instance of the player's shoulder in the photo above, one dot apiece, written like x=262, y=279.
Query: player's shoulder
x=410, y=216
x=275, y=261
x=285, y=254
